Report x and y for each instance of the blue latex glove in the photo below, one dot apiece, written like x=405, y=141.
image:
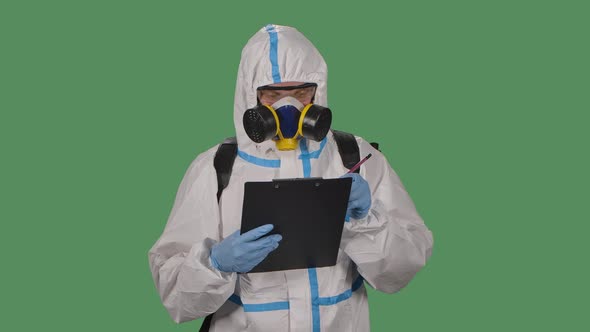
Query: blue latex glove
x=241, y=253
x=359, y=201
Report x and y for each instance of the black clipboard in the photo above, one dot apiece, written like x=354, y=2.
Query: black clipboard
x=309, y=214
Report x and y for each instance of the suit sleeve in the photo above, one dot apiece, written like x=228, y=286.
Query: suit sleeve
x=189, y=287
x=392, y=243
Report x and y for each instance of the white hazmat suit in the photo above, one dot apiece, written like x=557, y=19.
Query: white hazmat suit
x=385, y=249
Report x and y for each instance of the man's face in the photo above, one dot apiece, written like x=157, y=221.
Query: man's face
x=269, y=97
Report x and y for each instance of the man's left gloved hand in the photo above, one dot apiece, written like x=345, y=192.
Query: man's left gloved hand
x=359, y=201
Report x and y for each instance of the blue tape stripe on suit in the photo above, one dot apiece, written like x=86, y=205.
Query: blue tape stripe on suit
x=274, y=49
x=315, y=295
x=259, y=307
x=344, y=296
x=314, y=154
x=274, y=163
x=304, y=156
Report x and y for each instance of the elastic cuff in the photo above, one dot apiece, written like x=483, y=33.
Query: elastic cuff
x=200, y=255
x=213, y=262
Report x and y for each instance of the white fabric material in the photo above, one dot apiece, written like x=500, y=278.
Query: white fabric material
x=387, y=248
x=288, y=101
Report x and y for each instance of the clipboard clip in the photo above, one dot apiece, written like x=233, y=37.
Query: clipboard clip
x=277, y=182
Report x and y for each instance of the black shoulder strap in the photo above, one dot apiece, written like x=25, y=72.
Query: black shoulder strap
x=206, y=325
x=224, y=161
x=348, y=148
x=227, y=151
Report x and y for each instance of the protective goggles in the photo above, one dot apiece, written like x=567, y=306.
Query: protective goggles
x=269, y=95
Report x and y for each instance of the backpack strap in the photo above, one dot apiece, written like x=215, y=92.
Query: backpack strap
x=206, y=325
x=348, y=148
x=224, y=161
x=228, y=149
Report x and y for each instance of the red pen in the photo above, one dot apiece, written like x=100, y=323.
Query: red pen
x=355, y=167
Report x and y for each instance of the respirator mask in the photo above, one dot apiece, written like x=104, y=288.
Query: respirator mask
x=287, y=119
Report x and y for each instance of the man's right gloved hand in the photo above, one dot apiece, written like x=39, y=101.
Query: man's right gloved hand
x=241, y=253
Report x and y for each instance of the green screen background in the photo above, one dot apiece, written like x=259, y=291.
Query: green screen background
x=480, y=106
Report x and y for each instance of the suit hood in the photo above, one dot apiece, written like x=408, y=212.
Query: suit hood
x=275, y=54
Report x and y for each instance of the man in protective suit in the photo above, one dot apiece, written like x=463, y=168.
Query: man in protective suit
x=200, y=263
